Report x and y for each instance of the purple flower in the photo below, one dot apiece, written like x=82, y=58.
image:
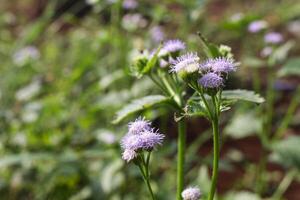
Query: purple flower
x=187, y=63
x=26, y=54
x=173, y=46
x=218, y=65
x=163, y=63
x=130, y=4
x=211, y=80
x=146, y=140
x=273, y=38
x=138, y=126
x=257, y=26
x=191, y=193
x=128, y=155
x=157, y=34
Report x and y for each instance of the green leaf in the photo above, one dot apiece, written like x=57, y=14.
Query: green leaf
x=244, y=95
x=239, y=126
x=139, y=105
x=195, y=108
x=210, y=49
x=291, y=67
x=152, y=61
x=287, y=152
x=281, y=52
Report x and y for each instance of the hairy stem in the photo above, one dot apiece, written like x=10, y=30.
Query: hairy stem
x=146, y=179
x=180, y=158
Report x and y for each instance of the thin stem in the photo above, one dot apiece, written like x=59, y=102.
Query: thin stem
x=180, y=158
x=206, y=105
x=270, y=105
x=289, y=114
x=146, y=179
x=284, y=184
x=215, y=125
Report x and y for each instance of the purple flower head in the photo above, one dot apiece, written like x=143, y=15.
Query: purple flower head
x=191, y=193
x=173, y=46
x=257, y=26
x=138, y=126
x=131, y=141
x=157, y=34
x=128, y=155
x=163, y=63
x=218, y=65
x=188, y=63
x=273, y=38
x=151, y=139
x=130, y=4
x=211, y=80
x=146, y=140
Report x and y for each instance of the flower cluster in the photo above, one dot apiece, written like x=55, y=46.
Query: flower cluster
x=191, y=193
x=140, y=136
x=211, y=70
x=171, y=46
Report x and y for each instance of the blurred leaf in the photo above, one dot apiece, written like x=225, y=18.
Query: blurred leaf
x=281, y=52
x=244, y=95
x=210, y=49
x=242, y=195
x=291, y=67
x=139, y=105
x=239, y=126
x=253, y=62
x=287, y=151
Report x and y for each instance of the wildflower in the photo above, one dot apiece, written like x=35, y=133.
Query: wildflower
x=186, y=63
x=157, y=34
x=273, y=38
x=211, y=80
x=128, y=155
x=151, y=139
x=191, y=193
x=138, y=126
x=130, y=4
x=173, y=46
x=28, y=91
x=133, y=21
x=146, y=140
x=26, y=54
x=265, y=52
x=219, y=65
x=257, y=26
x=163, y=63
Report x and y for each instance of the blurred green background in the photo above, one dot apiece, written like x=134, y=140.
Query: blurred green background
x=64, y=68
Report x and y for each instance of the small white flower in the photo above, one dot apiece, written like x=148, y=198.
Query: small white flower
x=191, y=193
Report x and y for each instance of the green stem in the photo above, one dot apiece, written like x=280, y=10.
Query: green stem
x=180, y=158
x=146, y=179
x=289, y=115
x=215, y=125
x=284, y=184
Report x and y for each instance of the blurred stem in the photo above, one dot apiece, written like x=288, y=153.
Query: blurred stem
x=284, y=184
x=270, y=103
x=289, y=114
x=256, y=80
x=180, y=157
x=216, y=132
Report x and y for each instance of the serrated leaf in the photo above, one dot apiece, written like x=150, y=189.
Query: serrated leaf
x=139, y=105
x=287, y=152
x=244, y=95
x=292, y=67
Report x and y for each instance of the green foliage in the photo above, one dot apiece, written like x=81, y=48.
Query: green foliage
x=243, y=95
x=290, y=68
x=139, y=105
